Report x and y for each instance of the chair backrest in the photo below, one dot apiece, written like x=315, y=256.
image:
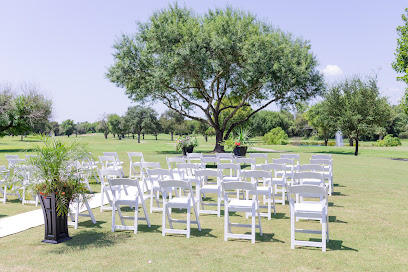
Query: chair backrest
x=274, y=167
x=4, y=173
x=114, y=154
x=13, y=162
x=295, y=157
x=194, y=157
x=8, y=157
x=204, y=174
x=146, y=165
x=250, y=161
x=257, y=176
x=285, y=161
x=135, y=157
x=225, y=157
x=173, y=160
x=233, y=167
x=308, y=190
x=159, y=174
x=322, y=162
x=262, y=156
x=116, y=185
x=169, y=184
x=313, y=178
x=311, y=167
x=105, y=174
x=321, y=157
x=107, y=161
x=238, y=185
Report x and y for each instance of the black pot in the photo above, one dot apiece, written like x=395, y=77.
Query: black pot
x=188, y=149
x=56, y=227
x=240, y=150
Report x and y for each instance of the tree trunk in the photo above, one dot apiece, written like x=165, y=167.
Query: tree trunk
x=351, y=142
x=22, y=137
x=143, y=136
x=113, y=135
x=380, y=137
x=119, y=137
x=133, y=135
x=106, y=135
x=123, y=136
x=325, y=142
x=206, y=138
x=68, y=136
x=138, y=138
x=218, y=139
x=171, y=135
x=356, y=152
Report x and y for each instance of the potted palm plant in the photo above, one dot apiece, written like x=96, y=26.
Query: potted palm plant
x=239, y=143
x=186, y=144
x=56, y=182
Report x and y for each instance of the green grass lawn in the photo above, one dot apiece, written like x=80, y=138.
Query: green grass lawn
x=368, y=223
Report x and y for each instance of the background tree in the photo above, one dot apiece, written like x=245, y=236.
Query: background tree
x=138, y=119
x=356, y=107
x=318, y=117
x=153, y=125
x=114, y=124
x=68, y=127
x=202, y=129
x=21, y=114
x=266, y=120
x=102, y=125
x=170, y=120
x=400, y=64
x=192, y=63
x=55, y=128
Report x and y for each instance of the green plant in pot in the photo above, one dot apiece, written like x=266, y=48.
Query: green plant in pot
x=186, y=144
x=239, y=142
x=56, y=182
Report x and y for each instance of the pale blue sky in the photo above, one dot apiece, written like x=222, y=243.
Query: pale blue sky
x=65, y=47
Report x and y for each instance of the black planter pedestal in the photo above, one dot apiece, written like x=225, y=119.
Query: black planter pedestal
x=240, y=151
x=188, y=149
x=56, y=227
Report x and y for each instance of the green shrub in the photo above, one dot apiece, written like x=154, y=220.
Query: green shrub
x=389, y=141
x=403, y=135
x=275, y=137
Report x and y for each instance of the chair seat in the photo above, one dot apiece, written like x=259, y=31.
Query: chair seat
x=263, y=189
x=231, y=179
x=239, y=203
x=310, y=207
x=181, y=201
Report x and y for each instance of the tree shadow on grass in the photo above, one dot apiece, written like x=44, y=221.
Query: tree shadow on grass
x=2, y=215
x=331, y=204
x=338, y=194
x=15, y=150
x=338, y=185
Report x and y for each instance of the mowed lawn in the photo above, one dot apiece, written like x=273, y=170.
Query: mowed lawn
x=368, y=222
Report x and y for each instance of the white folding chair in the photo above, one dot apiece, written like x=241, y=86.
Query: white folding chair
x=194, y=157
x=231, y=172
x=225, y=157
x=238, y=205
x=263, y=157
x=14, y=158
x=245, y=161
x=4, y=175
x=266, y=189
x=290, y=167
x=74, y=211
x=134, y=163
x=295, y=157
x=209, y=159
x=278, y=181
x=328, y=171
x=180, y=202
x=187, y=171
x=154, y=176
x=309, y=178
x=110, y=162
x=134, y=200
x=317, y=210
x=172, y=163
x=143, y=169
x=207, y=187
x=118, y=161
x=91, y=167
x=104, y=176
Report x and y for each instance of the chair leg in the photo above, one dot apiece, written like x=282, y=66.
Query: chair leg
x=324, y=229
x=292, y=231
x=269, y=206
x=164, y=220
x=151, y=200
x=136, y=216
x=226, y=223
x=145, y=212
x=219, y=204
x=113, y=218
x=189, y=220
x=253, y=224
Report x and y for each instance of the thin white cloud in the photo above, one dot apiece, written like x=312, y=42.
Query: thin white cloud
x=332, y=70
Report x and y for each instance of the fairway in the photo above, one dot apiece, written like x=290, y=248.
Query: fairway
x=367, y=213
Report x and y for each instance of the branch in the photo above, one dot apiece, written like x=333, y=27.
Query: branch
x=182, y=112
x=182, y=96
x=249, y=116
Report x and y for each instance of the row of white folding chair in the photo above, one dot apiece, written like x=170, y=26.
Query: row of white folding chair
x=328, y=170
x=110, y=162
x=4, y=175
x=135, y=158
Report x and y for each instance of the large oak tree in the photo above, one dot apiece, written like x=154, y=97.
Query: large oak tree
x=202, y=65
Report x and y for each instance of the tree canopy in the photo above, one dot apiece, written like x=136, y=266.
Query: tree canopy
x=356, y=107
x=194, y=63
